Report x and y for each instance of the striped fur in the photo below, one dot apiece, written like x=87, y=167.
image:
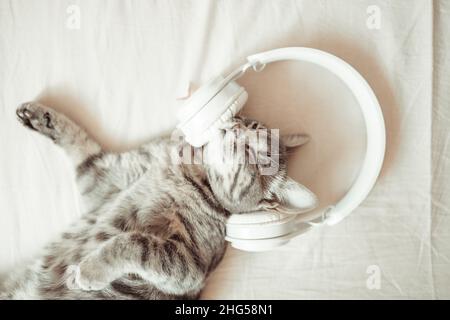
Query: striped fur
x=152, y=229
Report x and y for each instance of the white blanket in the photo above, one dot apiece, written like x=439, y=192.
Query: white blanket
x=119, y=69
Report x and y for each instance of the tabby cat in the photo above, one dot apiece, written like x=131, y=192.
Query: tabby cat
x=153, y=227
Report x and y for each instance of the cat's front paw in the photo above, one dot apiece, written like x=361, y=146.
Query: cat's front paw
x=83, y=278
x=38, y=117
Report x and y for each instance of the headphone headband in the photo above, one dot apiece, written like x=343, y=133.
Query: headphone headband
x=373, y=117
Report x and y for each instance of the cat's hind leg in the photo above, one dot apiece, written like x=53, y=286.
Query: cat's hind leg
x=61, y=130
x=167, y=264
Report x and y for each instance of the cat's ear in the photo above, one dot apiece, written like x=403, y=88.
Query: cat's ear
x=295, y=140
x=291, y=198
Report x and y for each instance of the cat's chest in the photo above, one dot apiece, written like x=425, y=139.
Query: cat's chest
x=117, y=187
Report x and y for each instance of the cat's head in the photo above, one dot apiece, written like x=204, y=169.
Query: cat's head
x=246, y=168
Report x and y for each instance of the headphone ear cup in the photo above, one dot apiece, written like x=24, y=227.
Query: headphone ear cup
x=238, y=104
x=201, y=126
x=199, y=99
x=260, y=225
x=232, y=110
x=229, y=113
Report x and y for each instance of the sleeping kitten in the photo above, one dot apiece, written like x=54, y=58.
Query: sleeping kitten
x=153, y=227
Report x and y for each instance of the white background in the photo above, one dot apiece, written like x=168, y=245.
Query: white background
x=119, y=76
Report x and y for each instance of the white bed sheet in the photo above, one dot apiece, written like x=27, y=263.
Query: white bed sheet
x=119, y=75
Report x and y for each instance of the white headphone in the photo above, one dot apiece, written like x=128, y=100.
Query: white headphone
x=219, y=100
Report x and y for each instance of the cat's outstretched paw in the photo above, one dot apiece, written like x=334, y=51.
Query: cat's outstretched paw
x=39, y=118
